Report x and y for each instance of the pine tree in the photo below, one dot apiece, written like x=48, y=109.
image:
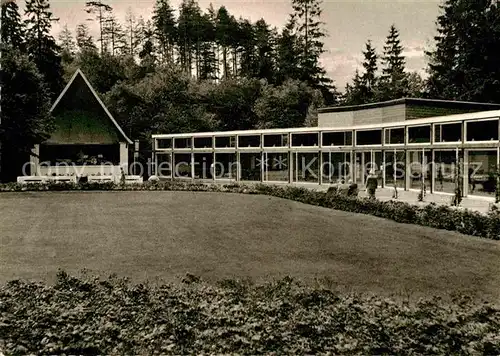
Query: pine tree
x=369, y=76
x=234, y=44
x=307, y=14
x=12, y=29
x=113, y=31
x=223, y=37
x=133, y=33
x=393, y=83
x=208, y=70
x=84, y=40
x=165, y=28
x=310, y=35
x=147, y=54
x=41, y=46
x=287, y=54
x=442, y=61
x=189, y=34
x=67, y=44
x=264, y=42
x=356, y=93
x=101, y=11
x=464, y=63
x=213, y=45
x=248, y=44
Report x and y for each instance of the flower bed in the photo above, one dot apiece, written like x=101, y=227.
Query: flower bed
x=88, y=315
x=437, y=216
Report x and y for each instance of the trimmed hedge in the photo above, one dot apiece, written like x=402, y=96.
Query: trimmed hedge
x=437, y=216
x=93, y=316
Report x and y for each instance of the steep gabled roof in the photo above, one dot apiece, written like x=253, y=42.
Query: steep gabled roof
x=79, y=72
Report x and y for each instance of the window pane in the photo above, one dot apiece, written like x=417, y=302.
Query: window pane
x=249, y=141
x=250, y=165
x=203, y=142
x=348, y=138
x=182, y=165
x=226, y=166
x=337, y=138
x=336, y=166
x=164, y=143
x=482, y=130
x=371, y=137
x=395, y=136
x=419, y=169
x=419, y=134
x=203, y=165
x=225, y=141
x=163, y=165
x=276, y=167
x=481, y=173
x=280, y=140
x=395, y=164
x=445, y=166
x=450, y=133
x=182, y=142
x=309, y=139
x=306, y=167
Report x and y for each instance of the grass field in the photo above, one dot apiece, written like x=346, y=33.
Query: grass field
x=163, y=235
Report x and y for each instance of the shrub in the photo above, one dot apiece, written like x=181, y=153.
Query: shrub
x=88, y=315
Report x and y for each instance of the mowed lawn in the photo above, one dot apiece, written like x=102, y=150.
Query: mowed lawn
x=164, y=235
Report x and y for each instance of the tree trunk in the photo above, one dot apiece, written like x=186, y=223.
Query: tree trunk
x=224, y=61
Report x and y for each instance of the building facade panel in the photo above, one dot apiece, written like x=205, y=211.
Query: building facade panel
x=368, y=116
x=340, y=119
x=394, y=113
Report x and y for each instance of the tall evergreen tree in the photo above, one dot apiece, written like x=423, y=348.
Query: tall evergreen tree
x=147, y=54
x=208, y=60
x=133, y=33
x=443, y=60
x=67, y=44
x=248, y=44
x=287, y=54
x=307, y=14
x=264, y=42
x=165, y=28
x=310, y=35
x=41, y=46
x=189, y=34
x=370, y=74
x=356, y=93
x=223, y=37
x=12, y=29
x=394, y=82
x=84, y=40
x=101, y=11
x=211, y=15
x=464, y=63
x=115, y=34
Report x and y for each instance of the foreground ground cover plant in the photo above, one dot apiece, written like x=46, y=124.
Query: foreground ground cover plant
x=440, y=217
x=88, y=315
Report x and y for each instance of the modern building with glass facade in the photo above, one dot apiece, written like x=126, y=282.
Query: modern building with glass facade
x=442, y=152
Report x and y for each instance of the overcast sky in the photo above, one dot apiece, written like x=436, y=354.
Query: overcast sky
x=349, y=24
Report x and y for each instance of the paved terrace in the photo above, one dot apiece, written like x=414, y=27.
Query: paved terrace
x=411, y=196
